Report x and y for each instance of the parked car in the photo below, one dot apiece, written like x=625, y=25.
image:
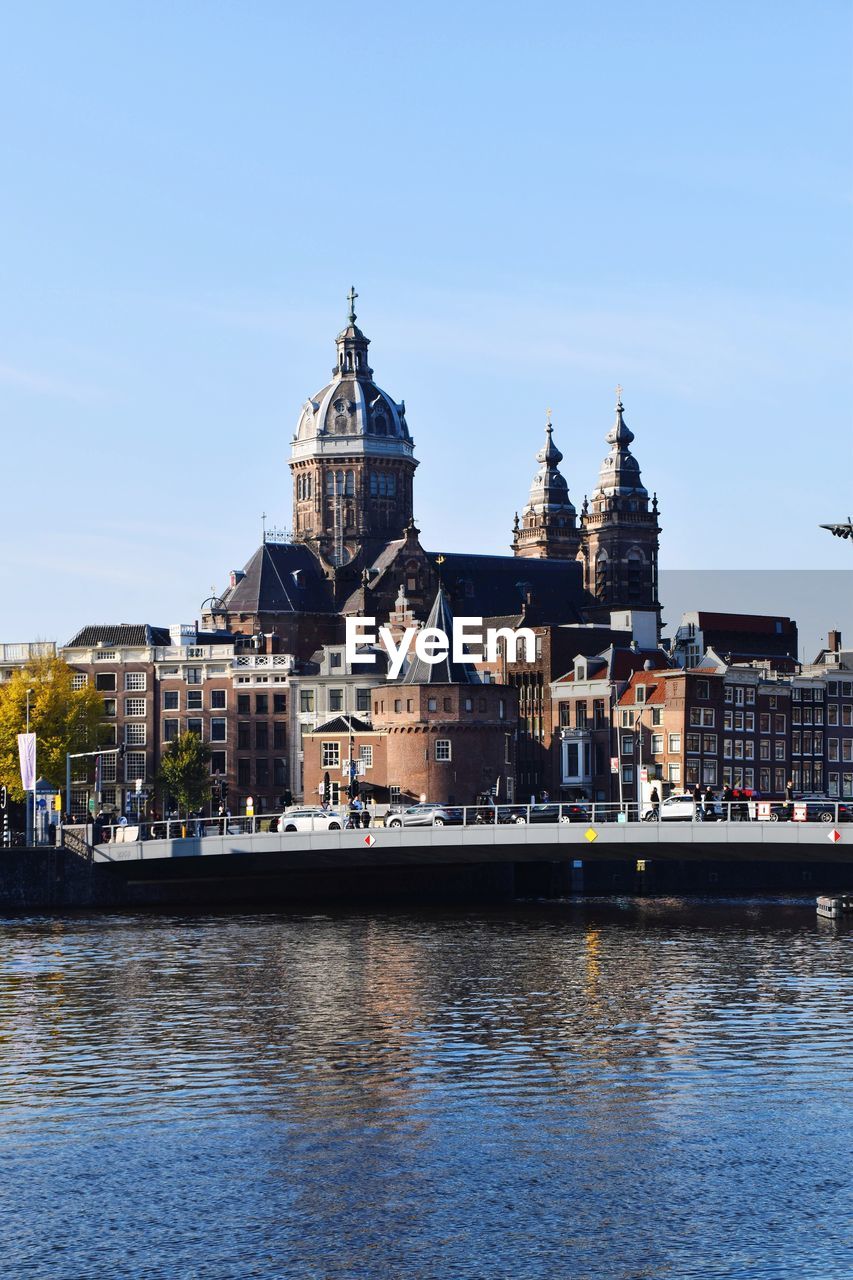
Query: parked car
x=818, y=809
x=681, y=807
x=309, y=818
x=424, y=815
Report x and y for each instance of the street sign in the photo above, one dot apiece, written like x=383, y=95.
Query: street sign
x=801, y=813
x=614, y=764
x=764, y=811
x=834, y=836
x=644, y=774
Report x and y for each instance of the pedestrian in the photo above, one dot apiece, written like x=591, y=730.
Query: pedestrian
x=789, y=797
x=709, y=805
x=727, y=802
x=365, y=817
x=697, y=803
x=220, y=813
x=655, y=802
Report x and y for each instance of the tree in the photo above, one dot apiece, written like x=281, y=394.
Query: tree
x=64, y=719
x=185, y=772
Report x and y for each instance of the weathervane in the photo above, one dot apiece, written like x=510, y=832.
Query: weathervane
x=618, y=392
x=547, y=417
x=351, y=297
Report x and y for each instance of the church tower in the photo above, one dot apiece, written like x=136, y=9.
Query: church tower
x=620, y=529
x=548, y=528
x=352, y=461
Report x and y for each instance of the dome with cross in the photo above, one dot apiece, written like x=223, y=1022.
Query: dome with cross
x=352, y=404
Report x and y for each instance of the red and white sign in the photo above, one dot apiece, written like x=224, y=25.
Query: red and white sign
x=370, y=841
x=644, y=774
x=764, y=811
x=614, y=764
x=834, y=836
x=801, y=813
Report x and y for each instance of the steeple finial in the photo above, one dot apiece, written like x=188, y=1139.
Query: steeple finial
x=547, y=419
x=351, y=297
x=618, y=395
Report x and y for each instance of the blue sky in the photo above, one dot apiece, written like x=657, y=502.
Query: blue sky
x=534, y=203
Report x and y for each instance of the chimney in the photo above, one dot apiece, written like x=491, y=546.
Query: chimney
x=833, y=642
x=235, y=576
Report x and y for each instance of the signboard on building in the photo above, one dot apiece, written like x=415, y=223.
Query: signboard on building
x=614, y=764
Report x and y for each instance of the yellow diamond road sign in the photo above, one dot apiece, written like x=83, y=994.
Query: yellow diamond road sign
x=591, y=834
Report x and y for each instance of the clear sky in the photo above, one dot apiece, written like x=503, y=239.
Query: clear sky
x=534, y=202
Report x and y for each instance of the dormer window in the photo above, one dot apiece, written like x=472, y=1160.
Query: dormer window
x=640, y=693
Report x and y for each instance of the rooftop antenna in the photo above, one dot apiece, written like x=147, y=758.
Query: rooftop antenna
x=263, y=526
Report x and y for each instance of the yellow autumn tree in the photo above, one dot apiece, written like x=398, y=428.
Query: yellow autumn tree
x=63, y=719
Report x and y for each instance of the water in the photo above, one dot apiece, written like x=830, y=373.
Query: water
x=597, y=1090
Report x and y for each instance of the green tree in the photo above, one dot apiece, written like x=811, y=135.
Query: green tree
x=185, y=772
x=63, y=719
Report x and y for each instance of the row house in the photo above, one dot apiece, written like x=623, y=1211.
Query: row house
x=157, y=683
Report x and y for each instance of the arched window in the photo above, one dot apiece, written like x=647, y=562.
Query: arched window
x=392, y=486
x=380, y=424
x=349, y=484
x=309, y=486
x=374, y=484
x=330, y=483
x=339, y=482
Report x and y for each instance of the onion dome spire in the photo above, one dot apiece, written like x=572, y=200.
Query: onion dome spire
x=620, y=471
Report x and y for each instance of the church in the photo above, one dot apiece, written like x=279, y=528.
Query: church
x=355, y=549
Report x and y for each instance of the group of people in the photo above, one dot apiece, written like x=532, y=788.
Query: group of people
x=358, y=814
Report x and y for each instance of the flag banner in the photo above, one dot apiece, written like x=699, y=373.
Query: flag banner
x=27, y=756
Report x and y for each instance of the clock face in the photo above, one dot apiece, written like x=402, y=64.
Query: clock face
x=339, y=556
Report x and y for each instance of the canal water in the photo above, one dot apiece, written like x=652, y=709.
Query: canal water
x=612, y=1090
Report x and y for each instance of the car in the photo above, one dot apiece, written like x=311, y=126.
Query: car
x=681, y=807
x=309, y=818
x=424, y=815
x=818, y=809
x=569, y=812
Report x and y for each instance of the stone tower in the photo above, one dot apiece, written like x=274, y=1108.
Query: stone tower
x=620, y=529
x=548, y=528
x=352, y=460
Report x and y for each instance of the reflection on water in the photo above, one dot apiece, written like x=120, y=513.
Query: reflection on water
x=624, y=1090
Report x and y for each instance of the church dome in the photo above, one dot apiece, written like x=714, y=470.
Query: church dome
x=352, y=404
x=620, y=472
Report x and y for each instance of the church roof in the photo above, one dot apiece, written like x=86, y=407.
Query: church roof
x=495, y=586
x=281, y=577
x=445, y=671
x=620, y=471
x=352, y=405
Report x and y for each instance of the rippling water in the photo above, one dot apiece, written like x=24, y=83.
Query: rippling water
x=617, y=1091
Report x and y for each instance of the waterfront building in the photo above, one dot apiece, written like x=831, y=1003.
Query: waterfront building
x=13, y=657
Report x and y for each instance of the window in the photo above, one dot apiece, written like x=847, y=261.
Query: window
x=261, y=736
x=262, y=773
x=764, y=723
x=708, y=718
x=764, y=749
x=657, y=715
x=105, y=682
x=640, y=693
x=780, y=723
x=501, y=709
x=279, y=772
x=217, y=729
x=703, y=690
x=134, y=766
x=243, y=774
x=134, y=706
x=627, y=773
x=261, y=704
x=674, y=772
x=279, y=704
x=170, y=730
x=134, y=735
x=366, y=754
x=442, y=749
x=79, y=681
x=468, y=704
x=674, y=743
x=832, y=713
x=394, y=795
x=334, y=659
x=134, y=680
x=432, y=704
x=362, y=699
x=106, y=655
x=110, y=705
x=750, y=722
x=170, y=700
x=627, y=745
x=194, y=700
x=739, y=696
x=108, y=768
x=306, y=700
x=410, y=705
x=336, y=699
x=750, y=697
x=692, y=743
x=728, y=694
x=727, y=748
x=738, y=722
x=192, y=675
x=331, y=754
x=447, y=704
x=779, y=753
x=709, y=744
x=244, y=704
x=194, y=725
x=243, y=736
x=398, y=704
x=709, y=773
x=657, y=744
x=832, y=748
x=279, y=735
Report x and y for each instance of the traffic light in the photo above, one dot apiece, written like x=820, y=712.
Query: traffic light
x=3, y=797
